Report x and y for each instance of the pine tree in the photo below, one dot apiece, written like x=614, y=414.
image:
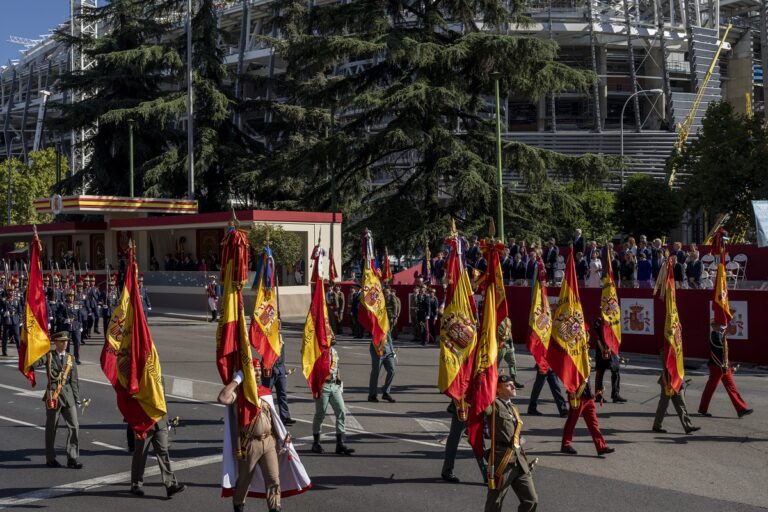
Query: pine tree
x=389, y=115
x=128, y=83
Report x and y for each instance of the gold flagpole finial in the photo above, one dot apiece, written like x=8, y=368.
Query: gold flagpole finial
x=454, y=231
x=491, y=229
x=233, y=222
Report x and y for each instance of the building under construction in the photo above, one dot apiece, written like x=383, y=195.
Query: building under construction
x=651, y=56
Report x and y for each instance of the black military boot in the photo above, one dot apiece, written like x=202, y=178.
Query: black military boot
x=240, y=507
x=341, y=448
x=316, y=444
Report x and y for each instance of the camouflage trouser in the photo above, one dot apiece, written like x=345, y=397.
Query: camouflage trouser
x=507, y=356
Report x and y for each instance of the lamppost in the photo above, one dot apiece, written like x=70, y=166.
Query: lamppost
x=8, y=157
x=130, y=156
x=621, y=123
x=190, y=113
x=500, y=201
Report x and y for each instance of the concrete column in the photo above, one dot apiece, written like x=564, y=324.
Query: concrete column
x=740, y=74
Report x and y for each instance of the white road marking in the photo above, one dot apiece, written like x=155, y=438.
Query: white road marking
x=36, y=393
x=101, y=481
x=110, y=446
x=26, y=424
x=352, y=422
x=182, y=387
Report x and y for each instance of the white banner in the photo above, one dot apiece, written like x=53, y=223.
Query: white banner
x=637, y=316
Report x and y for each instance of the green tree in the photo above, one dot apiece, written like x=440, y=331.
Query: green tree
x=726, y=166
x=29, y=182
x=286, y=245
x=386, y=117
x=129, y=81
x=646, y=206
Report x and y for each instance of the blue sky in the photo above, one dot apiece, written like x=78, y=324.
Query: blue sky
x=30, y=19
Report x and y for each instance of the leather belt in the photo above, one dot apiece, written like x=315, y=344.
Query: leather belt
x=262, y=436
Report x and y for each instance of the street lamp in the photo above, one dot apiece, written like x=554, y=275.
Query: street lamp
x=648, y=91
x=8, y=157
x=500, y=201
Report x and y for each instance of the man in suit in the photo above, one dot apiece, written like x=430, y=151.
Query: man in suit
x=512, y=467
x=550, y=259
x=693, y=270
x=578, y=242
x=61, y=398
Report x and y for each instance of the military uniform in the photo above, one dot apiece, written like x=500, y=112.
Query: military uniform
x=393, y=306
x=720, y=371
x=605, y=359
x=515, y=473
x=388, y=361
x=70, y=317
x=92, y=301
x=146, y=305
x=61, y=399
x=458, y=427
x=11, y=315
x=213, y=298
x=108, y=302
x=667, y=394
x=279, y=380
x=507, y=350
x=354, y=305
x=157, y=436
x=583, y=405
x=332, y=393
x=261, y=450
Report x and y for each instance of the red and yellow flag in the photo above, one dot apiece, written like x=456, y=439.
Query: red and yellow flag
x=720, y=307
x=35, y=341
x=610, y=310
x=129, y=359
x=265, y=320
x=539, y=319
x=386, y=270
x=458, y=331
x=233, y=350
x=567, y=353
x=316, y=342
x=482, y=389
x=372, y=313
x=333, y=274
x=673, y=332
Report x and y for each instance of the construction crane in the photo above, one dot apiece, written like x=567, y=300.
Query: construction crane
x=685, y=128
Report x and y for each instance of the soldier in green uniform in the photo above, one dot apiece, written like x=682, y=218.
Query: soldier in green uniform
x=511, y=465
x=332, y=393
x=394, y=307
x=507, y=350
x=62, y=396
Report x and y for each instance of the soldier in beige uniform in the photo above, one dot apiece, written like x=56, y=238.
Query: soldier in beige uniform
x=393, y=310
x=511, y=465
x=62, y=396
x=261, y=450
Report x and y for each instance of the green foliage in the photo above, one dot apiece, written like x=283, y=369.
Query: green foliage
x=646, y=206
x=727, y=166
x=286, y=245
x=27, y=184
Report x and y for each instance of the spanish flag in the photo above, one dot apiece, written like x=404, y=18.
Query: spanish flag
x=673, y=331
x=233, y=351
x=720, y=307
x=316, y=342
x=539, y=319
x=333, y=274
x=482, y=389
x=458, y=331
x=265, y=320
x=129, y=359
x=567, y=353
x=372, y=313
x=35, y=342
x=610, y=310
x=386, y=270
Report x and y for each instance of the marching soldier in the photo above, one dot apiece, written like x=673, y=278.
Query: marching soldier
x=414, y=303
x=92, y=298
x=108, y=300
x=11, y=314
x=332, y=393
x=62, y=396
x=393, y=310
x=668, y=393
x=507, y=350
x=354, y=305
x=720, y=371
x=212, y=290
x=81, y=299
x=261, y=449
x=582, y=403
x=387, y=360
x=144, y=296
x=339, y=303
x=458, y=427
x=279, y=379
x=512, y=467
x=330, y=300
x=606, y=360
x=70, y=317
x=157, y=436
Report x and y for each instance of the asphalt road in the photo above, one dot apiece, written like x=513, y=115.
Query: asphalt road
x=723, y=467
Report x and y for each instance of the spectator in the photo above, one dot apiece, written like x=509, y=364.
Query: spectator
x=616, y=266
x=154, y=265
x=693, y=270
x=595, y=271
x=631, y=247
x=168, y=263
x=644, y=271
x=644, y=249
x=657, y=258
x=438, y=267
x=202, y=267
x=578, y=242
x=507, y=262
x=628, y=270
x=513, y=247
x=582, y=268
x=677, y=250
x=530, y=268
x=523, y=251
x=550, y=258
x=518, y=270
x=679, y=272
